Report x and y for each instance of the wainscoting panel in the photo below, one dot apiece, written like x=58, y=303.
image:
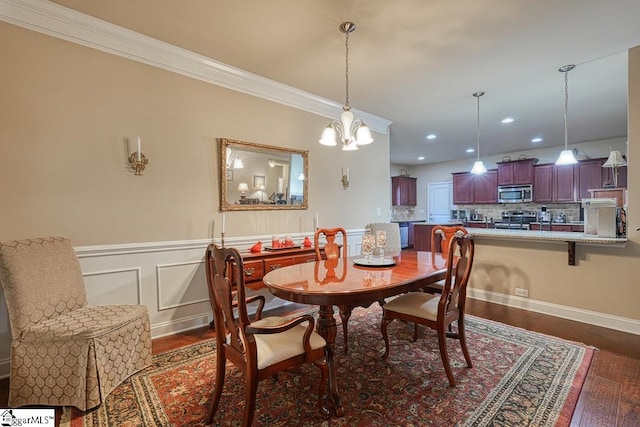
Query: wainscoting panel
x=181, y=284
x=120, y=286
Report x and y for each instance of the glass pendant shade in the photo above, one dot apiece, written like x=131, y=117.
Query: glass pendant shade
x=566, y=157
x=328, y=137
x=478, y=167
x=363, y=136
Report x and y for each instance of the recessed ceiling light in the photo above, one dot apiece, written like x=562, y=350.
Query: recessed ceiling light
x=421, y=158
x=471, y=150
x=538, y=139
x=431, y=136
x=508, y=120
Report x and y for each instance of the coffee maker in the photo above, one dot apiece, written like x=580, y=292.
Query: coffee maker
x=600, y=217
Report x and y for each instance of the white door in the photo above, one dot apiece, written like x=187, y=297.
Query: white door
x=440, y=201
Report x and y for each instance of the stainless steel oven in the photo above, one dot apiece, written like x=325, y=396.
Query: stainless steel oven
x=515, y=193
x=516, y=220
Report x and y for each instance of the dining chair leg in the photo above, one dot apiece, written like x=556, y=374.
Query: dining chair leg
x=463, y=341
x=324, y=378
x=442, y=343
x=415, y=331
x=383, y=329
x=217, y=391
x=250, y=399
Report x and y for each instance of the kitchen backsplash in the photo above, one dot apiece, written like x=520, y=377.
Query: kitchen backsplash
x=570, y=210
x=403, y=213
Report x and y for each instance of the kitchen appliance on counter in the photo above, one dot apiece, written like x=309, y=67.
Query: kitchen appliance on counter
x=545, y=214
x=600, y=217
x=476, y=217
x=459, y=215
x=515, y=193
x=516, y=220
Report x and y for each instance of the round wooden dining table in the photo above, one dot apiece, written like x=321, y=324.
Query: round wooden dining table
x=351, y=282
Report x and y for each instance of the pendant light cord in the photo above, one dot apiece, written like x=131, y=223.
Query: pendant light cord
x=347, y=107
x=478, y=129
x=566, y=108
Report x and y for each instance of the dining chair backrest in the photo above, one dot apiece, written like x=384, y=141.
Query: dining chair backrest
x=441, y=236
x=460, y=256
x=225, y=295
x=331, y=248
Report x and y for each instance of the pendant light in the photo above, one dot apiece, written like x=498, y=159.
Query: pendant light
x=566, y=156
x=351, y=132
x=478, y=167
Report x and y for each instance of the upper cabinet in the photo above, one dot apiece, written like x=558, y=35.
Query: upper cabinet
x=516, y=172
x=571, y=183
x=403, y=191
x=475, y=189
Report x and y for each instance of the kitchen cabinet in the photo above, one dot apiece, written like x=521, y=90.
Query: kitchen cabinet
x=403, y=191
x=469, y=188
x=607, y=176
x=553, y=183
x=412, y=235
x=589, y=175
x=463, y=188
x=517, y=172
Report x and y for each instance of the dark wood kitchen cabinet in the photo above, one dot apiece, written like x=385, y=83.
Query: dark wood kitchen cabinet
x=553, y=183
x=463, y=188
x=589, y=175
x=403, y=191
x=517, y=172
x=469, y=188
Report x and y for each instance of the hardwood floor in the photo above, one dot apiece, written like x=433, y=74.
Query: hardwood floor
x=609, y=397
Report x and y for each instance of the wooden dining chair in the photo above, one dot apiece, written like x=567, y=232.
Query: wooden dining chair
x=260, y=348
x=441, y=236
x=438, y=312
x=332, y=252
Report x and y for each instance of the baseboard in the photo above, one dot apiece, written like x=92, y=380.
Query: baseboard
x=603, y=320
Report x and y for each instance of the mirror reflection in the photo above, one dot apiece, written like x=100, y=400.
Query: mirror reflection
x=259, y=177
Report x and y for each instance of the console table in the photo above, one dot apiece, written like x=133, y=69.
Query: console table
x=257, y=264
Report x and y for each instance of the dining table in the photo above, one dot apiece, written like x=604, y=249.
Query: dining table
x=352, y=282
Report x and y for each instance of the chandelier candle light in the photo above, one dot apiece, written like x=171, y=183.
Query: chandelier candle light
x=352, y=132
x=566, y=156
x=137, y=160
x=478, y=167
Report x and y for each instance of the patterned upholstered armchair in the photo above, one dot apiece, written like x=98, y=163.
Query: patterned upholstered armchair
x=65, y=352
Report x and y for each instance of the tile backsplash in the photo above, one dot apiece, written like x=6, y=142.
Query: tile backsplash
x=403, y=213
x=570, y=210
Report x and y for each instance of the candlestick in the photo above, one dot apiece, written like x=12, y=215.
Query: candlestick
x=317, y=221
x=223, y=222
x=139, y=151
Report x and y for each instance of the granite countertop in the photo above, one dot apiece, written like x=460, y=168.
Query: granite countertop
x=547, y=236
x=408, y=220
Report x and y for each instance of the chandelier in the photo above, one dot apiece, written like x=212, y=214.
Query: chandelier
x=566, y=156
x=351, y=132
x=478, y=166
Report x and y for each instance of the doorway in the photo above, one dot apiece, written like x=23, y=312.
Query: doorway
x=440, y=201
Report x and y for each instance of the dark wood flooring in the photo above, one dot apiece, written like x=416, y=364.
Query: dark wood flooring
x=611, y=393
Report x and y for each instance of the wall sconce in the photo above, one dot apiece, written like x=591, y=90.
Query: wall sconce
x=137, y=160
x=345, y=178
x=243, y=188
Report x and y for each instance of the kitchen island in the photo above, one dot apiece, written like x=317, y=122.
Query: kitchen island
x=571, y=238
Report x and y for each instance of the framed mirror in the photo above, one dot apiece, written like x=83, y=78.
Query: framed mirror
x=262, y=177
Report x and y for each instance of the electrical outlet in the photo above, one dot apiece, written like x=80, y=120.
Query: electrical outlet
x=522, y=292
x=379, y=210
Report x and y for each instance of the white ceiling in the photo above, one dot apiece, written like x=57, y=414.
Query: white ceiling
x=417, y=62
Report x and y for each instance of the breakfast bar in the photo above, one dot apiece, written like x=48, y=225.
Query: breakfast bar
x=571, y=238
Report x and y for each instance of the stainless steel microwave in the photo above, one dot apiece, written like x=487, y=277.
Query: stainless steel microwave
x=515, y=193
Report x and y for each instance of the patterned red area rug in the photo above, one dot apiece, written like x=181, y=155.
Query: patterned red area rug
x=519, y=378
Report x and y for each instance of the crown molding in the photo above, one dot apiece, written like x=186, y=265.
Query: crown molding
x=58, y=21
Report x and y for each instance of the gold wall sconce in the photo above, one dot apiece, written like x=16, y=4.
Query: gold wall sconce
x=345, y=178
x=137, y=160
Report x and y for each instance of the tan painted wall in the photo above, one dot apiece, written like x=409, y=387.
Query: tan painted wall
x=66, y=110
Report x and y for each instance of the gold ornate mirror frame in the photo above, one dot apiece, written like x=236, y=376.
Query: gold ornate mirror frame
x=262, y=177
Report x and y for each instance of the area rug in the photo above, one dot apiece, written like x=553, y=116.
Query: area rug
x=519, y=378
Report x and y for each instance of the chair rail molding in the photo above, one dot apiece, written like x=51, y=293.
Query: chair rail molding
x=61, y=22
